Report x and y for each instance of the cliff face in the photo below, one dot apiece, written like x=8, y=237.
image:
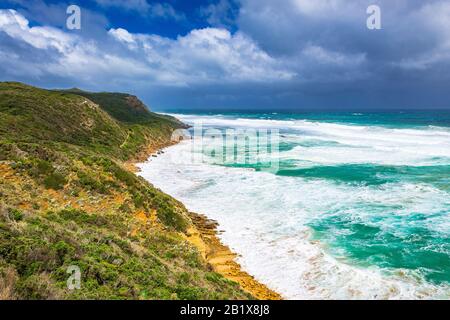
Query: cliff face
x=136, y=104
x=67, y=199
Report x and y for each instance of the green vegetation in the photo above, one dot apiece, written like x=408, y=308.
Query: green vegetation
x=66, y=198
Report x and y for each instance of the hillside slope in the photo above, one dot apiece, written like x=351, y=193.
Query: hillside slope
x=67, y=199
x=121, y=106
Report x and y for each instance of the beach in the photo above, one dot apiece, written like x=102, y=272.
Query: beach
x=203, y=234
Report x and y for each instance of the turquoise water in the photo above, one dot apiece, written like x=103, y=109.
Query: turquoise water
x=400, y=119
x=403, y=158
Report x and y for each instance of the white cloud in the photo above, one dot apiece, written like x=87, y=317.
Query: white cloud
x=159, y=10
x=68, y=55
x=320, y=7
x=201, y=57
x=205, y=56
x=122, y=35
x=165, y=10
x=16, y=26
x=324, y=56
x=219, y=14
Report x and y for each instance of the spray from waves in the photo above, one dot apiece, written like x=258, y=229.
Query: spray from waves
x=307, y=237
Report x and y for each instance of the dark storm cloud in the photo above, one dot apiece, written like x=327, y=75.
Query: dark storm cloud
x=402, y=61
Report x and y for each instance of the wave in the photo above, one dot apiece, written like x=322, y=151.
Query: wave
x=317, y=229
x=354, y=143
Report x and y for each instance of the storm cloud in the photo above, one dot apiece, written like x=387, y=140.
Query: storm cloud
x=286, y=55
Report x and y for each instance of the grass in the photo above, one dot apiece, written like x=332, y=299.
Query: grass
x=67, y=199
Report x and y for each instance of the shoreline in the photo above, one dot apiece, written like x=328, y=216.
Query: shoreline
x=203, y=234
x=315, y=282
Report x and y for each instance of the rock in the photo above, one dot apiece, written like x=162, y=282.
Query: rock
x=118, y=262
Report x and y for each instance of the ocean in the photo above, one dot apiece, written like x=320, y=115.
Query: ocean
x=357, y=207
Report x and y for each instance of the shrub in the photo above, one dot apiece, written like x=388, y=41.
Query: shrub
x=55, y=181
x=87, y=181
x=62, y=249
x=171, y=218
x=80, y=217
x=125, y=176
x=37, y=287
x=15, y=214
x=189, y=293
x=44, y=167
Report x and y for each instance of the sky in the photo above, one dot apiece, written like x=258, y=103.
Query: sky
x=236, y=55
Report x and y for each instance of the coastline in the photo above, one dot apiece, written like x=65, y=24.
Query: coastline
x=203, y=234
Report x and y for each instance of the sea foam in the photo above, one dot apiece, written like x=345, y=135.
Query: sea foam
x=266, y=218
